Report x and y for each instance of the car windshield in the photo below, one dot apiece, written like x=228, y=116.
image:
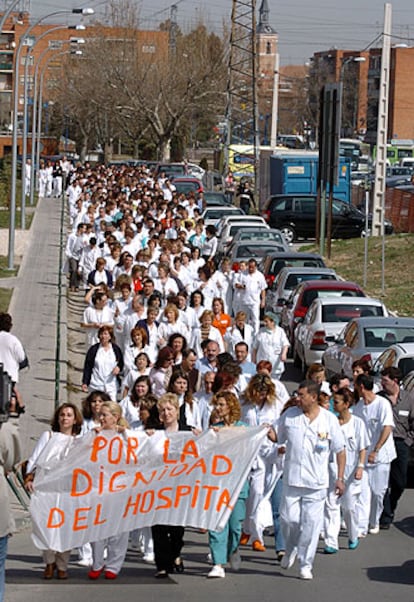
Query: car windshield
x=294, y=279
x=249, y=233
x=382, y=337
x=279, y=264
x=345, y=313
x=264, y=234
x=309, y=296
x=254, y=250
x=186, y=186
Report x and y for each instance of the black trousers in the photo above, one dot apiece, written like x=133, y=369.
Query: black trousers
x=168, y=542
x=397, y=482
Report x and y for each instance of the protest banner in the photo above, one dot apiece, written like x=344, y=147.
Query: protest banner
x=108, y=483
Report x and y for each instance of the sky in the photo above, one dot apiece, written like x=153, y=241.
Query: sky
x=303, y=26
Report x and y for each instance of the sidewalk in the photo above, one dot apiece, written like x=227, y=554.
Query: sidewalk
x=34, y=311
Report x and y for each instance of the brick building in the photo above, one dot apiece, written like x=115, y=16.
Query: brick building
x=361, y=89
x=151, y=44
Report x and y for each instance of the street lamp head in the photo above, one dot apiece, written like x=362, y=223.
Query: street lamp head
x=83, y=11
x=77, y=41
x=359, y=59
x=76, y=52
x=77, y=27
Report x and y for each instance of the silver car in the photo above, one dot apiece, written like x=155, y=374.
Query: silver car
x=365, y=337
x=324, y=320
x=288, y=279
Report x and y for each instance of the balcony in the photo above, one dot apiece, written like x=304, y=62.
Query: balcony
x=6, y=66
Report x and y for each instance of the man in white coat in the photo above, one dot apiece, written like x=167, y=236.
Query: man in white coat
x=311, y=434
x=253, y=294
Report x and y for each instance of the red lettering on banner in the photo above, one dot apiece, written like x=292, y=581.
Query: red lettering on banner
x=224, y=500
x=79, y=516
x=148, y=494
x=132, y=504
x=181, y=491
x=226, y=469
x=97, y=520
x=132, y=445
x=201, y=463
x=120, y=487
x=167, y=500
x=189, y=449
x=140, y=477
x=166, y=450
x=75, y=489
x=60, y=518
x=209, y=489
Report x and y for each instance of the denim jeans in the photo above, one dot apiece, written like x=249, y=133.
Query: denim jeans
x=275, y=502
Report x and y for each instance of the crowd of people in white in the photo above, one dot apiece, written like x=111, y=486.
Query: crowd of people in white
x=169, y=330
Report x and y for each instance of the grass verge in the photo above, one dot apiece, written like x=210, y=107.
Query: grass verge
x=5, y=296
x=347, y=258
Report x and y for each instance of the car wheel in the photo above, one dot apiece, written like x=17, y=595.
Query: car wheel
x=289, y=234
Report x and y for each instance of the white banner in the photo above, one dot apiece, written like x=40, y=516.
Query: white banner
x=109, y=483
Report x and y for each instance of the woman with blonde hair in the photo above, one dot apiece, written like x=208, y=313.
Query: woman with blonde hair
x=116, y=546
x=260, y=406
x=172, y=325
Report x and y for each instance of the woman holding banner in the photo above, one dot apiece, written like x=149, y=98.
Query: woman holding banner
x=224, y=545
x=116, y=546
x=67, y=420
x=168, y=539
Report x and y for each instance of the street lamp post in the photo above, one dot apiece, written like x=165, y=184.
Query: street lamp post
x=23, y=39
x=25, y=114
x=345, y=62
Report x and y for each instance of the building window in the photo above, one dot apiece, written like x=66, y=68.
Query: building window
x=268, y=48
x=148, y=48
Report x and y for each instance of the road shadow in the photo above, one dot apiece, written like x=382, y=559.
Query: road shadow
x=406, y=525
x=403, y=574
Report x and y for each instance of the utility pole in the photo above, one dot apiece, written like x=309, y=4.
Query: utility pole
x=378, y=210
x=242, y=108
x=173, y=28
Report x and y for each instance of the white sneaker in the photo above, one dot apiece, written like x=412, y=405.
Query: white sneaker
x=209, y=558
x=362, y=534
x=374, y=530
x=216, y=572
x=306, y=573
x=288, y=560
x=235, y=561
x=148, y=557
x=85, y=562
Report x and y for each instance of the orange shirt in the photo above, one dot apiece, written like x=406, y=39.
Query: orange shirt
x=222, y=323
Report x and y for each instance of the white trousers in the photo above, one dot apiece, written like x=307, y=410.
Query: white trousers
x=116, y=550
x=262, y=481
x=332, y=514
x=371, y=501
x=301, y=518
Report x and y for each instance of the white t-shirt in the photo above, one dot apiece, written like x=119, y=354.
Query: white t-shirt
x=376, y=415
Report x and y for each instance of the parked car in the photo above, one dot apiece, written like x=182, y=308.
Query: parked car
x=324, y=320
x=245, y=250
x=366, y=337
x=170, y=169
x=288, y=279
x=295, y=217
x=187, y=184
x=212, y=215
x=249, y=219
x=233, y=228
x=215, y=198
x=399, y=356
x=258, y=233
x=273, y=263
x=297, y=305
x=195, y=170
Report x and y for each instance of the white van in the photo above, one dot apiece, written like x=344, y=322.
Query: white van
x=407, y=162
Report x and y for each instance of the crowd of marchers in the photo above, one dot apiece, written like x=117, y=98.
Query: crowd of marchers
x=176, y=341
